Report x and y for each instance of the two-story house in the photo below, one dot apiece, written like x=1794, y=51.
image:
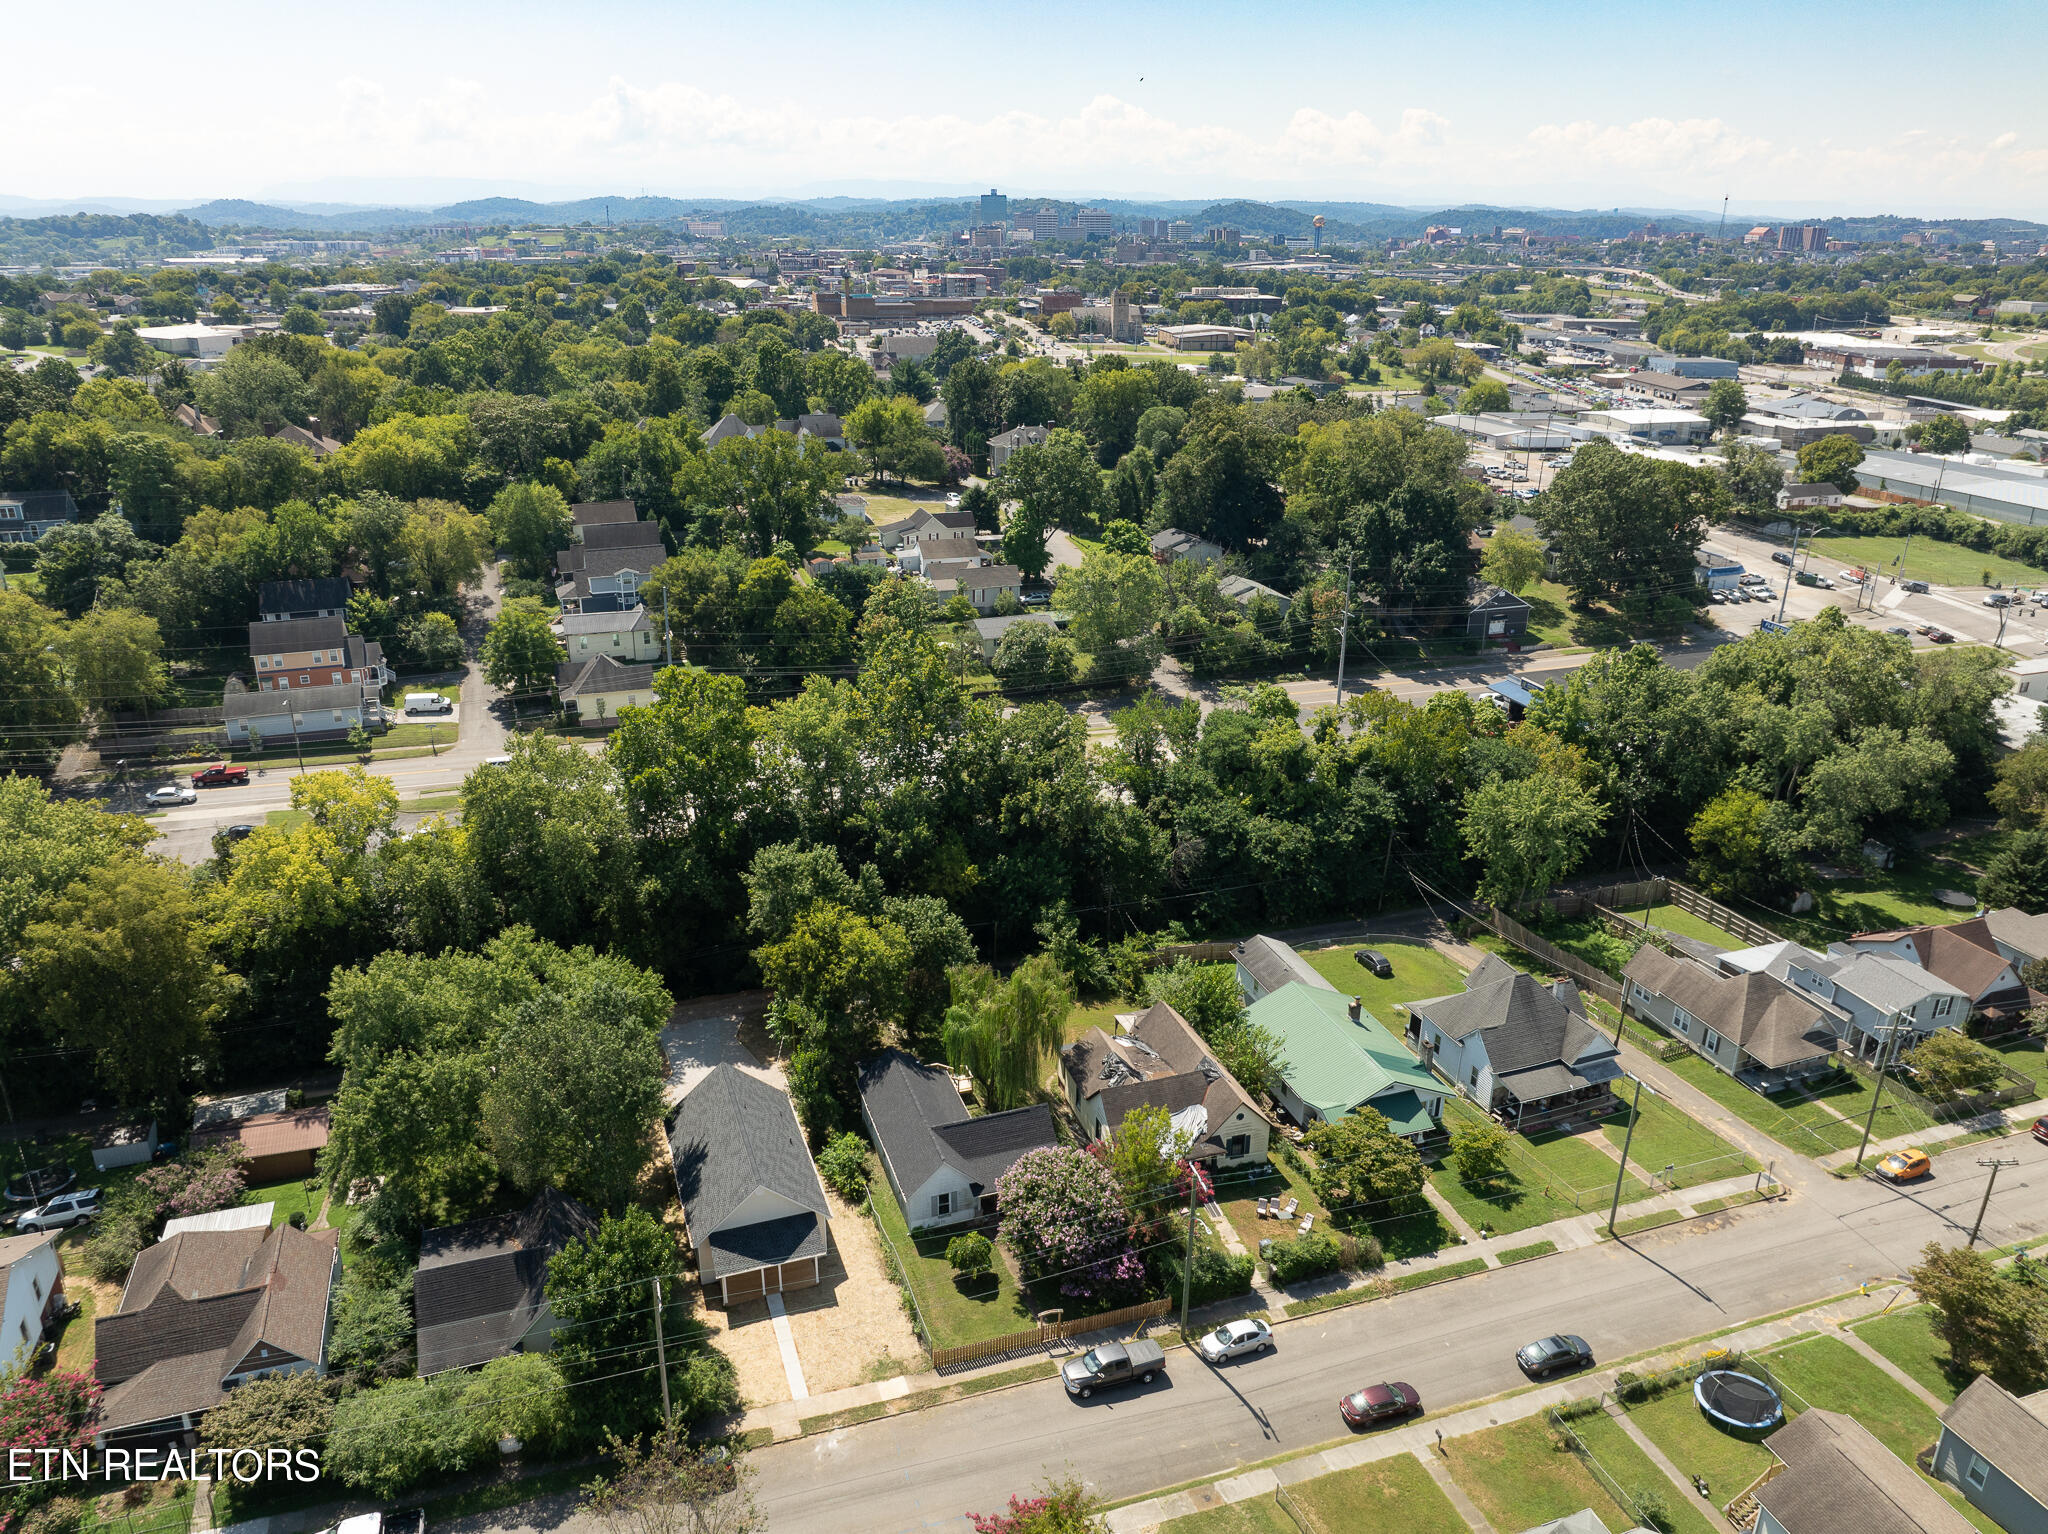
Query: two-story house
x=1518, y=1048
x=630, y=635
x=314, y=652
x=1156, y=1060
x=1886, y=1003
x=284, y=601
x=1965, y=954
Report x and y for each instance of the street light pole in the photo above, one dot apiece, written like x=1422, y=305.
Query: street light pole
x=1634, y=1112
x=1994, y=1163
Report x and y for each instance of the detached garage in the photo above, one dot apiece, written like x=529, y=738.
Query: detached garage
x=756, y=1210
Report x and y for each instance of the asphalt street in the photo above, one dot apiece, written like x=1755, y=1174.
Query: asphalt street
x=1455, y=1342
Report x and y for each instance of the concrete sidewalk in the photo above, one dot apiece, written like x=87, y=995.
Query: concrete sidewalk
x=1421, y=1438
x=2013, y=1119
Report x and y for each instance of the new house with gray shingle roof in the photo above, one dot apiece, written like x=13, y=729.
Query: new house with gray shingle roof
x=750, y=1192
x=942, y=1163
x=1336, y=1059
x=1887, y=1002
x=1520, y=1049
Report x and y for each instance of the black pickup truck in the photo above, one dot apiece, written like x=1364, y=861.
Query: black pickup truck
x=1112, y=1363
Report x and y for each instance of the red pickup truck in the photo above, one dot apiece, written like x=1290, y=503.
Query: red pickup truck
x=220, y=775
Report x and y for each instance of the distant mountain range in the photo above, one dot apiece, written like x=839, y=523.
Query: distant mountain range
x=846, y=218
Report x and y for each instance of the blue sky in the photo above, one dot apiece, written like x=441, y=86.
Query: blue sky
x=1801, y=107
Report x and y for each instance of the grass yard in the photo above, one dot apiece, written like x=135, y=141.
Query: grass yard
x=1944, y=564
x=1902, y=896
x=1798, y=1122
x=1419, y=971
x=1544, y=1174
x=168, y=1511
x=956, y=1310
x=1520, y=1476
x=1666, y=1136
x=291, y=1197
x=1254, y=1515
x=430, y=804
x=1907, y=1338
x=1395, y=1493
x=74, y=1343
x=1685, y=924
x=2028, y=1056
x=1634, y=1471
x=1828, y=1373
x=1673, y=1422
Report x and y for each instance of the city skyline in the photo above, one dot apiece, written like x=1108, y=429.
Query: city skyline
x=1148, y=102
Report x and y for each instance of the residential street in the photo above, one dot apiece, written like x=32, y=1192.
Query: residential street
x=1455, y=1342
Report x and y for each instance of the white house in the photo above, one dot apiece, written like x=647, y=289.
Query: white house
x=31, y=1289
x=1518, y=1047
x=1157, y=1060
x=627, y=635
x=1890, y=1002
x=942, y=1164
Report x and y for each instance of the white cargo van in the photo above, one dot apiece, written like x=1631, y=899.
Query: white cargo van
x=427, y=703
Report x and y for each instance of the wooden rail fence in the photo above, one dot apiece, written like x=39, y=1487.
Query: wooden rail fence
x=1047, y=1333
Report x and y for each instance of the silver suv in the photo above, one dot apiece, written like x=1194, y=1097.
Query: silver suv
x=63, y=1211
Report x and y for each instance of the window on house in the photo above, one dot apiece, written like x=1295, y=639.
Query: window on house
x=1474, y=1082
x=942, y=1203
x=1682, y=1021
x=1237, y=1145
x=1977, y=1472
x=305, y=679
x=1943, y=1005
x=37, y=1285
x=1712, y=1042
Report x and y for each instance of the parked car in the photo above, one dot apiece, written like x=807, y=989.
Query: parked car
x=1780, y=557
x=241, y=830
x=1853, y=577
x=1998, y=599
x=171, y=793
x=1554, y=1355
x=62, y=1212
x=1908, y=1165
x=2041, y=1130
x=220, y=775
x=1902, y=632
x=1112, y=1363
x=1940, y=636
x=1234, y=1338
x=428, y=703
x=1380, y=1403
x=1919, y=586
x=1374, y=960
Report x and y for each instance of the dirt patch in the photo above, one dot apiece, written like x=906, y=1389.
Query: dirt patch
x=849, y=1329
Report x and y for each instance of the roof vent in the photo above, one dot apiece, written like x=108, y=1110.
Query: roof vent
x=1210, y=1069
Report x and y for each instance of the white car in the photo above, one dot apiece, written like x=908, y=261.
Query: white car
x=61, y=1212
x=953, y=499
x=1235, y=1338
x=171, y=793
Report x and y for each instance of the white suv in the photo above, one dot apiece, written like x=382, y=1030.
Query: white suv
x=65, y=1210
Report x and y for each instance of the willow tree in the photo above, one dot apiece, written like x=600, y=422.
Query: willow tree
x=1002, y=1032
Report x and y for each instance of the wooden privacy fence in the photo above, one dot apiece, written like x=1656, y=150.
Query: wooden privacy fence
x=1046, y=1333
x=1599, y=982
x=1197, y=953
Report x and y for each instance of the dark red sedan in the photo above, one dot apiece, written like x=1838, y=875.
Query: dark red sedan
x=1380, y=1403
x=2041, y=1130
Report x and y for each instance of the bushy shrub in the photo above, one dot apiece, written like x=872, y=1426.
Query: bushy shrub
x=1218, y=1275
x=1304, y=1257
x=843, y=1163
x=373, y=1328
x=971, y=1255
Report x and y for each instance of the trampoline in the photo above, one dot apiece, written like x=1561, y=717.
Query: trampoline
x=1740, y=1402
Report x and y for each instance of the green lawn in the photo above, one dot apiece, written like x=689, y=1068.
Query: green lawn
x=291, y=1197
x=1544, y=1174
x=1674, y=1423
x=74, y=1342
x=957, y=1310
x=1945, y=564
x=1828, y=1373
x=2028, y=1056
x=430, y=804
x=1797, y=1121
x=1634, y=1471
x=1419, y=972
x=1666, y=1136
x=1254, y=1515
x=1519, y=1476
x=1395, y=1493
x=1685, y=924
x=1907, y=1338
x=1902, y=896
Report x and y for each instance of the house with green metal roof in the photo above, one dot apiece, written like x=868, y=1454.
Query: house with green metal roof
x=1337, y=1058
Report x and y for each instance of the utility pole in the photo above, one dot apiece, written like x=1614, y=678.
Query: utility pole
x=296, y=747
x=1187, y=1267
x=1994, y=1163
x=1634, y=1112
x=660, y=1350
x=1884, y=1064
x=1999, y=642
x=668, y=653
x=1791, y=573
x=1344, y=630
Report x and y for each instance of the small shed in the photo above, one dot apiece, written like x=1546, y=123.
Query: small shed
x=123, y=1145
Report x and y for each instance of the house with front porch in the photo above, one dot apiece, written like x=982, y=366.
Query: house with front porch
x=1155, y=1060
x=1336, y=1058
x=942, y=1163
x=1522, y=1050
x=1885, y=1003
x=1964, y=953
x=1750, y=1025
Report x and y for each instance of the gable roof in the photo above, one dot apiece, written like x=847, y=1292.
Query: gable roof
x=922, y=1124
x=1158, y=1061
x=228, y=1110
x=303, y=595
x=273, y=1134
x=197, y=1308
x=1765, y=1018
x=621, y=535
x=601, y=674
x=14, y=1248
x=730, y=1137
x=2009, y=1431
x=2019, y=931
x=1886, y=983
x=1963, y=954
x=480, y=1285
x=1839, y=1479
x=625, y=620
x=982, y=577
x=1273, y=964
x=589, y=514
x=1332, y=1062
x=1535, y=1043
x=294, y=634
x=639, y=557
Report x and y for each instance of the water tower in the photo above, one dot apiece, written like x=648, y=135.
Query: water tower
x=1317, y=237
